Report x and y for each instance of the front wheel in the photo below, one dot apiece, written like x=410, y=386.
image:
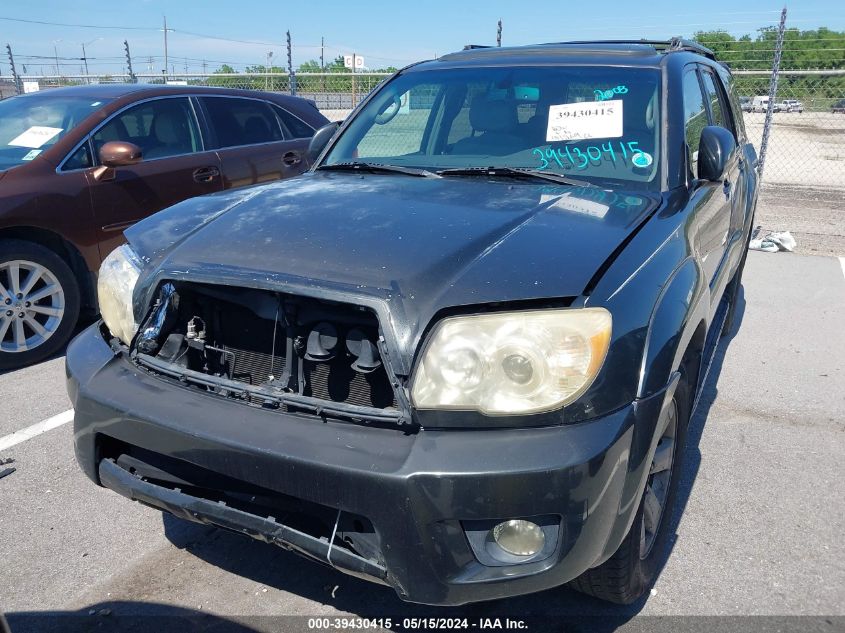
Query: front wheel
x=39, y=303
x=633, y=568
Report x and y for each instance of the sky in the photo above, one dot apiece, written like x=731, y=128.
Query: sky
x=384, y=33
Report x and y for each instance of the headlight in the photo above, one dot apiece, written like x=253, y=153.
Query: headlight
x=512, y=362
x=115, y=284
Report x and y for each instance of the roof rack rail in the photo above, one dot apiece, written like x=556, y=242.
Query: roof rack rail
x=472, y=47
x=674, y=44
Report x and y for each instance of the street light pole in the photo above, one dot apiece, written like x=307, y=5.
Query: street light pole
x=165, y=48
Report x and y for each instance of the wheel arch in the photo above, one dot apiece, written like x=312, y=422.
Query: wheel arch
x=64, y=249
x=677, y=325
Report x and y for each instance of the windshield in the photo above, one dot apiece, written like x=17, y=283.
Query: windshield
x=601, y=124
x=31, y=124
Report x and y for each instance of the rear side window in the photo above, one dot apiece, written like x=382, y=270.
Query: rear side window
x=296, y=127
x=161, y=128
x=242, y=121
x=695, y=115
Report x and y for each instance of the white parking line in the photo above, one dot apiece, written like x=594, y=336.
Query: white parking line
x=842, y=263
x=36, y=429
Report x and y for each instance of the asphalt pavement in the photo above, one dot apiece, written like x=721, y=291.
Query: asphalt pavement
x=759, y=531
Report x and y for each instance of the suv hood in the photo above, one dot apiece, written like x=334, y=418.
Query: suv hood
x=412, y=246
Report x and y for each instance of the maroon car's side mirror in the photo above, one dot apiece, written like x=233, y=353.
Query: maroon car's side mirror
x=116, y=154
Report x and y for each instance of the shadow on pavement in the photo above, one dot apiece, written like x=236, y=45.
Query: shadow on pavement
x=129, y=617
x=692, y=454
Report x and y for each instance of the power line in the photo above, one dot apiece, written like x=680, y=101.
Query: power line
x=81, y=26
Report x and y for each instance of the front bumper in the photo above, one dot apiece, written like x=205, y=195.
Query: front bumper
x=417, y=489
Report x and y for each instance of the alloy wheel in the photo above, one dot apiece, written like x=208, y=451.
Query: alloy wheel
x=659, y=478
x=32, y=304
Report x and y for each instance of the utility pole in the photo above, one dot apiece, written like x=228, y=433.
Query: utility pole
x=323, y=62
x=291, y=75
x=132, y=78
x=165, y=47
x=15, y=78
x=269, y=70
x=85, y=59
x=56, y=53
x=499, y=34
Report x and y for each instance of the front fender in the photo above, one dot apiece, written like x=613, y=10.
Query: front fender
x=680, y=309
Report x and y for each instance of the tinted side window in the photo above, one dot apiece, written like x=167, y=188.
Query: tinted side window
x=718, y=107
x=293, y=124
x=733, y=100
x=163, y=127
x=242, y=121
x=695, y=115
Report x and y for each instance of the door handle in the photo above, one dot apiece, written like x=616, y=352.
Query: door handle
x=727, y=189
x=206, y=174
x=291, y=158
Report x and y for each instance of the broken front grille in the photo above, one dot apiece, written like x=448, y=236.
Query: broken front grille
x=272, y=350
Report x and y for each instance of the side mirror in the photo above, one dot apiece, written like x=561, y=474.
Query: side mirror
x=120, y=154
x=319, y=141
x=715, y=150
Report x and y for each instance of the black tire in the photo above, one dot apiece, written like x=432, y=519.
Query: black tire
x=62, y=329
x=627, y=576
x=732, y=289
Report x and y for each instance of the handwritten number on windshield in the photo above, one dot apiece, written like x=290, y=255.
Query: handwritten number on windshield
x=574, y=157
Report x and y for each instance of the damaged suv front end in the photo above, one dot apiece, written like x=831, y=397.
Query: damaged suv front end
x=460, y=379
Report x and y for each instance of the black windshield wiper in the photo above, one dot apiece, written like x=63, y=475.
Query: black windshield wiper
x=515, y=172
x=375, y=167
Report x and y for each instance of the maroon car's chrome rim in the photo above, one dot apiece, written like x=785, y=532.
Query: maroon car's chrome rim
x=32, y=305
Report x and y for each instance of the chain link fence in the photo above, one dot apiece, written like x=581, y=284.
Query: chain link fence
x=335, y=94
x=806, y=144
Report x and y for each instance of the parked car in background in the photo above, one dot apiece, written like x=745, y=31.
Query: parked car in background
x=791, y=105
x=457, y=357
x=79, y=165
x=761, y=104
x=838, y=106
x=745, y=104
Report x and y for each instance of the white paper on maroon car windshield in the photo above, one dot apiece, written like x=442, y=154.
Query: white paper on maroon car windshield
x=35, y=137
x=586, y=120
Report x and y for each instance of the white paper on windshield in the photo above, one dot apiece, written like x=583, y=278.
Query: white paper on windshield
x=35, y=136
x=31, y=154
x=586, y=120
x=568, y=202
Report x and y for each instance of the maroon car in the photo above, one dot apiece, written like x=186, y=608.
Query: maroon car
x=79, y=165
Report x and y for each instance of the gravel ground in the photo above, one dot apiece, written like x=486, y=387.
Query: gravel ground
x=758, y=533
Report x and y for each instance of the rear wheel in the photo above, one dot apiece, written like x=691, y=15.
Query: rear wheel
x=632, y=569
x=39, y=303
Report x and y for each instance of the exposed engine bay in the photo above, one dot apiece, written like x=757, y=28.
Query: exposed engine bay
x=271, y=350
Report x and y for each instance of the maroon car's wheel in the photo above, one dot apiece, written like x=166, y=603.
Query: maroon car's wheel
x=39, y=303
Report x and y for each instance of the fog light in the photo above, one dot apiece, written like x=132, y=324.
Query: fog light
x=519, y=537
